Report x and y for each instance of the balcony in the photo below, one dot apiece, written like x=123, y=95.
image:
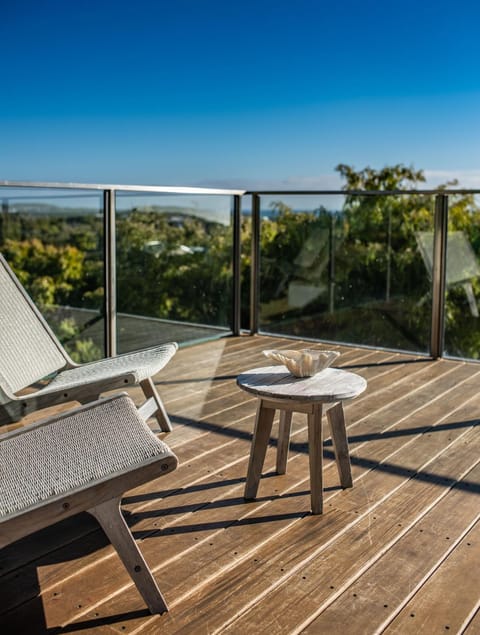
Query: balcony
x=398, y=553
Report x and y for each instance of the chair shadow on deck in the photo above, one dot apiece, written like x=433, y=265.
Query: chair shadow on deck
x=88, y=538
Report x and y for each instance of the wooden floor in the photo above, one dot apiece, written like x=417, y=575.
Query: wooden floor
x=398, y=553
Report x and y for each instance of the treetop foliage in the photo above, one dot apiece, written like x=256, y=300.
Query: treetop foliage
x=389, y=178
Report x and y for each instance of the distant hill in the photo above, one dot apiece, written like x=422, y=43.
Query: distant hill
x=47, y=209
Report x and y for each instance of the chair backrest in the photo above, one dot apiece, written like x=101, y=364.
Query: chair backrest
x=29, y=350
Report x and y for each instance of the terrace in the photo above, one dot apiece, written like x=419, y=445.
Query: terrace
x=398, y=553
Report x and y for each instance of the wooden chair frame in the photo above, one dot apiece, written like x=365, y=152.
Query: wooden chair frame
x=99, y=498
x=30, y=351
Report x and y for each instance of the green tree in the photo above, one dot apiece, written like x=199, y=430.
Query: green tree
x=180, y=271
x=381, y=239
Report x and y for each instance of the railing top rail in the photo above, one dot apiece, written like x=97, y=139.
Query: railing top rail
x=359, y=192
x=158, y=189
x=173, y=189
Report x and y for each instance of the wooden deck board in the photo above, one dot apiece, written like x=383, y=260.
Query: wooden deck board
x=451, y=592
x=378, y=488
x=473, y=622
x=227, y=566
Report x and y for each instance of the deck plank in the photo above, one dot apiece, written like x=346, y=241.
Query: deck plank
x=473, y=623
x=284, y=506
x=379, y=493
x=450, y=593
x=226, y=566
x=404, y=568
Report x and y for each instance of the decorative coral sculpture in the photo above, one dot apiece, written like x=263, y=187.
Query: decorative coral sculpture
x=303, y=363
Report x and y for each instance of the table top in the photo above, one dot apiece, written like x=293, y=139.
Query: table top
x=275, y=382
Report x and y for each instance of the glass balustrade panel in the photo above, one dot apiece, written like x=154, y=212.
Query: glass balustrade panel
x=347, y=269
x=53, y=240
x=462, y=296
x=174, y=268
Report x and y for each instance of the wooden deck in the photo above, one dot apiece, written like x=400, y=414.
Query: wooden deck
x=398, y=553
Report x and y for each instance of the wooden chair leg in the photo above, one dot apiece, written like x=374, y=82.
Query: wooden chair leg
x=261, y=436
x=315, y=454
x=110, y=518
x=283, y=440
x=338, y=430
x=149, y=390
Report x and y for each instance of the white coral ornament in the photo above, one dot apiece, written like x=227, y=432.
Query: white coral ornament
x=303, y=363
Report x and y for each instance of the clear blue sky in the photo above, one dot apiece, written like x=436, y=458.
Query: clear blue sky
x=261, y=93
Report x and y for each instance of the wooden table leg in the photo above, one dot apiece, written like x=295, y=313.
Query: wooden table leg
x=336, y=419
x=283, y=440
x=315, y=453
x=261, y=437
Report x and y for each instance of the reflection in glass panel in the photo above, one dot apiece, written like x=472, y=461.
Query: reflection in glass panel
x=53, y=240
x=174, y=268
x=347, y=269
x=462, y=297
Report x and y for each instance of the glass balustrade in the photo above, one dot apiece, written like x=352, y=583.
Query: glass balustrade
x=462, y=295
x=354, y=268
x=347, y=269
x=53, y=239
x=174, y=267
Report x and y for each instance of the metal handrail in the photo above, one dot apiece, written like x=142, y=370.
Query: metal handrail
x=159, y=189
x=174, y=189
x=432, y=192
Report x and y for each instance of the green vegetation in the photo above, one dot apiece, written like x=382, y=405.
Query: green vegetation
x=175, y=268
x=364, y=279
x=354, y=274
x=170, y=264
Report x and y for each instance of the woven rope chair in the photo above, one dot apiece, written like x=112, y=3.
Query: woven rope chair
x=83, y=460
x=30, y=351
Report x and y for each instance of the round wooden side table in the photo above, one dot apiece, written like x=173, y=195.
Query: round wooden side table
x=277, y=389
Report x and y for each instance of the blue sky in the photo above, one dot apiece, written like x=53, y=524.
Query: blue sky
x=264, y=93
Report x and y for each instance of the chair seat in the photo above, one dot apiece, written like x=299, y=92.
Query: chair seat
x=140, y=364
x=69, y=453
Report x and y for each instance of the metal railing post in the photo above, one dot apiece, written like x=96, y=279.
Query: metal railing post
x=237, y=264
x=439, y=270
x=255, y=266
x=110, y=261
x=331, y=264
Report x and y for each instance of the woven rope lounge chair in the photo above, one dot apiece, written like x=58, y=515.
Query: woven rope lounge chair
x=30, y=351
x=83, y=460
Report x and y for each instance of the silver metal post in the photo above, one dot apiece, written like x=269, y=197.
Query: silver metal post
x=237, y=263
x=389, y=255
x=110, y=261
x=439, y=275
x=255, y=266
